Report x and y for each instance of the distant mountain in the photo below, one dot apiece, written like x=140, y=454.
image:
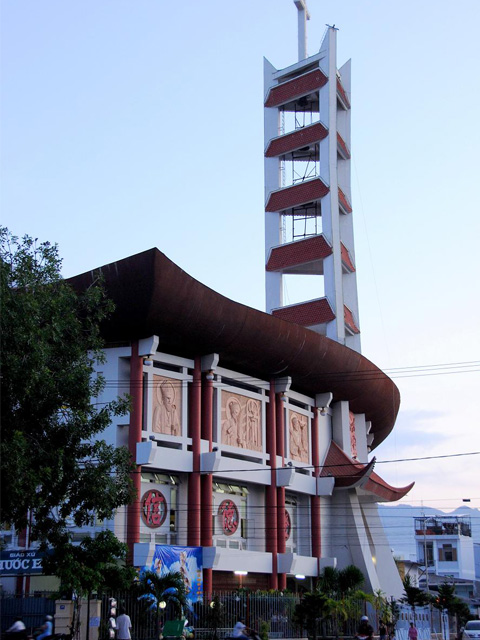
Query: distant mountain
x=398, y=523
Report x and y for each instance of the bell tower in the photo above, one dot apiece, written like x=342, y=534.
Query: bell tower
x=308, y=210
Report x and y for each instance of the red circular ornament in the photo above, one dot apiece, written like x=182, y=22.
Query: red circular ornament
x=154, y=508
x=230, y=518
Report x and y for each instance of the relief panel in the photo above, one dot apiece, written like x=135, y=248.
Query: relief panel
x=241, y=421
x=167, y=406
x=298, y=436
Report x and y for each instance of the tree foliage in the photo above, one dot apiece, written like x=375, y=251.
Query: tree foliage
x=340, y=583
x=446, y=599
x=414, y=596
x=168, y=590
x=337, y=597
x=96, y=564
x=56, y=471
x=312, y=610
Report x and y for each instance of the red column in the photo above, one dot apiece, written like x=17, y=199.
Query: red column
x=207, y=479
x=281, y=542
x=271, y=491
x=315, y=500
x=134, y=436
x=194, y=422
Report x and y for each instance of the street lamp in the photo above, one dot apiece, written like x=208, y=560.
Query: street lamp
x=240, y=574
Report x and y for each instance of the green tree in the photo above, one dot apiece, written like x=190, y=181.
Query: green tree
x=311, y=611
x=340, y=582
x=56, y=471
x=350, y=579
x=446, y=599
x=446, y=596
x=414, y=596
x=167, y=591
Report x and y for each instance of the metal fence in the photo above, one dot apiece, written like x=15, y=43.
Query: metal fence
x=274, y=610
x=32, y=609
x=270, y=613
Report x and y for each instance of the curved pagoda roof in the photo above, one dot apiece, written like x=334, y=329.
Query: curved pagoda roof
x=153, y=296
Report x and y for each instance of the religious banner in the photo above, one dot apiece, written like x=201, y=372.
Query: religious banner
x=186, y=560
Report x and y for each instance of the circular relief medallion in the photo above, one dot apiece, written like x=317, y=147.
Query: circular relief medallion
x=154, y=508
x=288, y=525
x=230, y=518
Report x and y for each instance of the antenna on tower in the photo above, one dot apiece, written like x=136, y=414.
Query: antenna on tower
x=303, y=16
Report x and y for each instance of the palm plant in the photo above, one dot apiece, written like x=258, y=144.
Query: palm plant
x=342, y=587
x=158, y=592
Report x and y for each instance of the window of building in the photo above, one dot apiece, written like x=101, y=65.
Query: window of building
x=447, y=553
x=425, y=549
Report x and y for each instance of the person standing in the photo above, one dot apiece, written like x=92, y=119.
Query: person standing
x=124, y=624
x=412, y=632
x=382, y=630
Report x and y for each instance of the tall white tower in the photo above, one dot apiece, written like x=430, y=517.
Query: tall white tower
x=308, y=211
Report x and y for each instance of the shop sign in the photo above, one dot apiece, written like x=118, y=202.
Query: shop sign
x=16, y=562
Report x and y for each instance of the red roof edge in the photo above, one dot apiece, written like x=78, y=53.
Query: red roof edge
x=349, y=473
x=298, y=252
x=342, y=94
x=346, y=258
x=349, y=320
x=345, y=205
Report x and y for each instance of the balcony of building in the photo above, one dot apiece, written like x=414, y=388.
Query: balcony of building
x=443, y=526
x=297, y=194
x=301, y=257
x=304, y=86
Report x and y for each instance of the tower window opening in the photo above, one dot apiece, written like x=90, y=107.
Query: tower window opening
x=299, y=114
x=302, y=221
x=300, y=165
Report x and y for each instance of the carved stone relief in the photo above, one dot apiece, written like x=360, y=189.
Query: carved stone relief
x=241, y=421
x=298, y=436
x=353, y=436
x=167, y=405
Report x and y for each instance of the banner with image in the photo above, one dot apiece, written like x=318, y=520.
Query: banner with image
x=186, y=560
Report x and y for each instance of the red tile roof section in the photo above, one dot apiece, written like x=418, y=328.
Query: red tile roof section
x=342, y=94
x=346, y=259
x=344, y=203
x=348, y=472
x=296, y=139
x=307, y=191
x=307, y=314
x=344, y=150
x=299, y=252
x=349, y=321
x=375, y=484
x=301, y=86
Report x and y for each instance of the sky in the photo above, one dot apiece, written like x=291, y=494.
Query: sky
x=131, y=124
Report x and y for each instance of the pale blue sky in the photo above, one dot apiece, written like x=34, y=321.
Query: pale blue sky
x=132, y=124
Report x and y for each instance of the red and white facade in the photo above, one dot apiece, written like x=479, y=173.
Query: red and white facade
x=250, y=431
x=308, y=211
